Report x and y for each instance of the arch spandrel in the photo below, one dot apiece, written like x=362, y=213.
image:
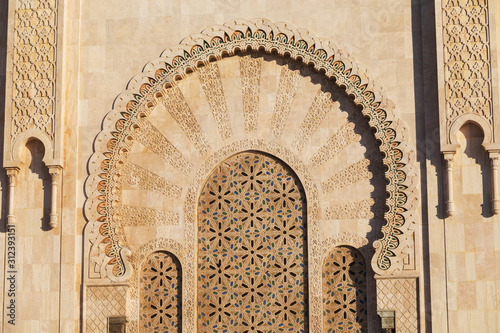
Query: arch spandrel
x=113, y=146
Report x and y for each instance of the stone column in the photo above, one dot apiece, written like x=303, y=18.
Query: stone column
x=55, y=172
x=12, y=174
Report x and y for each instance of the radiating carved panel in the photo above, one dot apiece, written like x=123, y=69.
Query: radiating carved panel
x=321, y=105
x=344, y=291
x=251, y=246
x=160, y=300
x=212, y=87
x=138, y=216
x=103, y=302
x=289, y=83
x=176, y=105
x=250, y=69
x=147, y=134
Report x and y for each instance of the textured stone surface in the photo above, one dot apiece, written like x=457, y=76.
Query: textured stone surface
x=362, y=143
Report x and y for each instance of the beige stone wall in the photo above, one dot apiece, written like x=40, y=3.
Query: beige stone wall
x=105, y=43
x=463, y=247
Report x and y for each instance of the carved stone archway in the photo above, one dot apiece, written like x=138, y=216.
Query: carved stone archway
x=159, y=88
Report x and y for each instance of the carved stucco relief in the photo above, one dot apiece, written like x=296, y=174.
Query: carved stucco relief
x=34, y=68
x=106, y=246
x=467, y=59
x=30, y=111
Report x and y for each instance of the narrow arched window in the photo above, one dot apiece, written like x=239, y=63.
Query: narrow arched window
x=160, y=294
x=344, y=291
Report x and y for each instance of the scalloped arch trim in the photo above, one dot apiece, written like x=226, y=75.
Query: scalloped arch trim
x=146, y=90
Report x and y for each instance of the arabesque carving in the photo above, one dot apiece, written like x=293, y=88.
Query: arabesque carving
x=315, y=250
x=250, y=85
x=160, y=293
x=345, y=306
x=157, y=84
x=138, y=258
x=467, y=59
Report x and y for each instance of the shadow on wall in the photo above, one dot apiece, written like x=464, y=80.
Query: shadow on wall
x=425, y=82
x=4, y=6
x=35, y=180
x=473, y=161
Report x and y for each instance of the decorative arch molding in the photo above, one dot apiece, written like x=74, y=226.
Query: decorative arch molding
x=145, y=91
x=23, y=138
x=476, y=119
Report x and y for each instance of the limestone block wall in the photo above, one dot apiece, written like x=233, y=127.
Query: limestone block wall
x=454, y=264
x=463, y=238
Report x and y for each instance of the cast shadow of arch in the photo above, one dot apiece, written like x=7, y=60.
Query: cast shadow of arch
x=36, y=169
x=472, y=137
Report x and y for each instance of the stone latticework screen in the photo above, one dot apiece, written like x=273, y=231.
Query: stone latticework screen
x=160, y=302
x=252, y=273
x=344, y=289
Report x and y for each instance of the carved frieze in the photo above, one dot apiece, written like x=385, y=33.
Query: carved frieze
x=467, y=59
x=34, y=67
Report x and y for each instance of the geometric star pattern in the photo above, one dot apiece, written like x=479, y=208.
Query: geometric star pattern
x=252, y=272
x=344, y=291
x=160, y=302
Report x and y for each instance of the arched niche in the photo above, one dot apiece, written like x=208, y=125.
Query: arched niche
x=473, y=170
x=247, y=85
x=345, y=300
x=160, y=293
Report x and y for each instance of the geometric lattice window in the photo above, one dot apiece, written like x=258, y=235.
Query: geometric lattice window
x=160, y=294
x=344, y=291
x=252, y=275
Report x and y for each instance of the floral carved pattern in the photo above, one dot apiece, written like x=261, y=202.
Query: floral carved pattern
x=160, y=302
x=157, y=85
x=34, y=69
x=467, y=59
x=251, y=248
x=344, y=289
